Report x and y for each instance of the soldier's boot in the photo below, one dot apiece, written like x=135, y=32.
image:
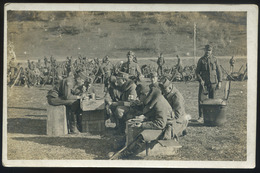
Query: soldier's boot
x=73, y=124
x=121, y=127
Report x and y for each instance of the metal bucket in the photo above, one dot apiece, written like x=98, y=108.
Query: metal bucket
x=214, y=112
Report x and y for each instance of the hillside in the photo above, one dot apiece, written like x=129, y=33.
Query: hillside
x=96, y=34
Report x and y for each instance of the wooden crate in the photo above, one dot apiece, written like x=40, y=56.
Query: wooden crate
x=93, y=115
x=96, y=126
x=56, y=120
x=93, y=121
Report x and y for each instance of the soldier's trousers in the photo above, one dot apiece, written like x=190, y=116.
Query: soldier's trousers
x=211, y=89
x=160, y=70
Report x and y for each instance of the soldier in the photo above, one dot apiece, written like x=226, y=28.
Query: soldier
x=160, y=63
x=179, y=65
x=38, y=64
x=68, y=93
x=131, y=67
x=176, y=100
x=127, y=92
x=12, y=68
x=232, y=63
x=154, y=80
x=209, y=75
x=156, y=111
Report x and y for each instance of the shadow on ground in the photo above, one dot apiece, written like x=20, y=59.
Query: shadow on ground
x=98, y=147
x=26, y=126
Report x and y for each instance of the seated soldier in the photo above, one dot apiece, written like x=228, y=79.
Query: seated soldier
x=127, y=92
x=156, y=111
x=154, y=80
x=69, y=92
x=176, y=100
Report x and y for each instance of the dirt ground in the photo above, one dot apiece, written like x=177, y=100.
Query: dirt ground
x=27, y=139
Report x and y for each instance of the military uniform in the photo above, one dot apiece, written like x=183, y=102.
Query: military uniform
x=12, y=67
x=156, y=110
x=65, y=94
x=208, y=70
x=160, y=63
x=232, y=63
x=131, y=68
x=120, y=111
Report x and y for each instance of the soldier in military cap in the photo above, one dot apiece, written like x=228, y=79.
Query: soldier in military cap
x=160, y=63
x=209, y=75
x=68, y=92
x=126, y=92
x=154, y=80
x=176, y=100
x=131, y=67
x=12, y=68
x=232, y=63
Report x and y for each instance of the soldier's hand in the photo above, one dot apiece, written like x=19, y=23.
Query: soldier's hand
x=219, y=85
x=202, y=83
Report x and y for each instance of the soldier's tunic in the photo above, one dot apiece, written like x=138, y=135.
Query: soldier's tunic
x=156, y=110
x=160, y=63
x=176, y=101
x=209, y=71
x=12, y=66
x=121, y=111
x=131, y=68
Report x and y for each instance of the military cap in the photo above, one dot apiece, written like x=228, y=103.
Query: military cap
x=142, y=89
x=208, y=47
x=131, y=53
x=113, y=79
x=165, y=84
x=153, y=74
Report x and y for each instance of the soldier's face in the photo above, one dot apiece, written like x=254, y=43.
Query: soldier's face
x=142, y=97
x=154, y=79
x=208, y=52
x=80, y=81
x=120, y=82
x=167, y=90
x=130, y=58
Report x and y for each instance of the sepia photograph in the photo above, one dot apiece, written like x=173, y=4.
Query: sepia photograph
x=129, y=85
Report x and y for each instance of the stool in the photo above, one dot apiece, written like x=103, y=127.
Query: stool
x=56, y=120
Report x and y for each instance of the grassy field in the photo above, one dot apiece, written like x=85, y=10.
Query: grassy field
x=27, y=139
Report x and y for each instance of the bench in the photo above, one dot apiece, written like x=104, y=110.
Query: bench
x=56, y=120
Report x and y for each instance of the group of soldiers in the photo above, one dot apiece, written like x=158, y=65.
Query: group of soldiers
x=159, y=104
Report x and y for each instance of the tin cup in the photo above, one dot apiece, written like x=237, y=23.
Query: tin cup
x=130, y=97
x=93, y=96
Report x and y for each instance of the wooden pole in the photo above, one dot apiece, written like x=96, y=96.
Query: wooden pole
x=194, y=42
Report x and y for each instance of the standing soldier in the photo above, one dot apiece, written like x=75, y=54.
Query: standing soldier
x=29, y=64
x=131, y=67
x=209, y=76
x=160, y=63
x=12, y=67
x=232, y=63
x=179, y=65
